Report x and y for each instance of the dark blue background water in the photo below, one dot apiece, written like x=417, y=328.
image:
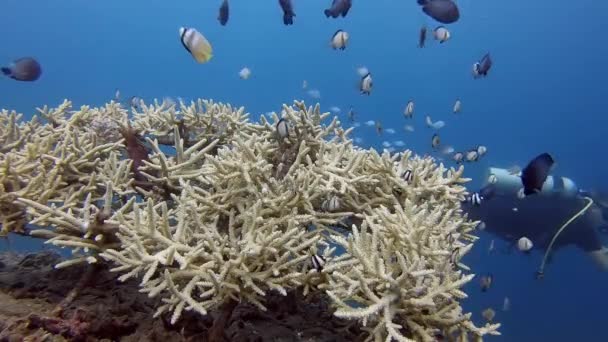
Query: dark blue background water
x=546, y=92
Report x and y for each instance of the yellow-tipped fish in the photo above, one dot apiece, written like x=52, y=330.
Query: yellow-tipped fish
x=195, y=43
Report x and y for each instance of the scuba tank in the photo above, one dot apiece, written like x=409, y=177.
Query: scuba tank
x=507, y=183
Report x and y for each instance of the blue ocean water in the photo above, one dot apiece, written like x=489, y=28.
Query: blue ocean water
x=545, y=93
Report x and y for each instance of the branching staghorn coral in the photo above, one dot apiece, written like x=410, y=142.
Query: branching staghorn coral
x=209, y=209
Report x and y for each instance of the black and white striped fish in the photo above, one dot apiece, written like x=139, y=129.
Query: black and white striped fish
x=486, y=193
x=407, y=175
x=318, y=262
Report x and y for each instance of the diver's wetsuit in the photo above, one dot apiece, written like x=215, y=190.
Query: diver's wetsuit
x=538, y=218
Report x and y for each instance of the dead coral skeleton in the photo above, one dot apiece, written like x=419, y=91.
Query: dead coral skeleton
x=207, y=208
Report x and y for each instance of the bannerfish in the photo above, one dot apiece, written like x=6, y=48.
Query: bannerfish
x=444, y=11
x=25, y=69
x=409, y=109
x=338, y=7
x=288, y=12
x=224, y=13
x=339, y=40
x=365, y=85
x=422, y=37
x=196, y=44
x=534, y=175
x=441, y=34
x=482, y=67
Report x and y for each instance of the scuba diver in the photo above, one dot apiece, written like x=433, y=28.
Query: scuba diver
x=550, y=211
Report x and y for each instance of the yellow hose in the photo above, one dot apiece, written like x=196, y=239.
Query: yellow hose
x=540, y=272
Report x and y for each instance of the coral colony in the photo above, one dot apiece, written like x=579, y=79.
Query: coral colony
x=208, y=209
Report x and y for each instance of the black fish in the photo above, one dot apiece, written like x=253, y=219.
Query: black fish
x=533, y=176
x=23, y=69
x=288, y=12
x=422, y=37
x=444, y=11
x=338, y=7
x=224, y=13
x=483, y=66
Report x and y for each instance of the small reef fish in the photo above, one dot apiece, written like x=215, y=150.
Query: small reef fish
x=447, y=149
x=444, y=11
x=435, y=141
x=386, y=144
x=117, y=95
x=335, y=109
x=472, y=156
x=422, y=37
x=135, y=102
x=481, y=225
x=482, y=67
x=534, y=175
x=314, y=93
x=245, y=73
x=288, y=12
x=458, y=157
x=408, y=112
x=408, y=128
x=457, y=107
x=304, y=84
x=318, y=262
x=481, y=150
x=434, y=125
x=441, y=34
x=351, y=114
x=365, y=85
x=282, y=129
x=370, y=123
x=486, y=282
x=486, y=193
x=491, y=247
x=407, y=175
x=390, y=131
x=25, y=69
x=379, y=128
x=332, y=204
x=224, y=13
x=492, y=179
x=338, y=8
x=399, y=143
x=339, y=40
x=196, y=44
x=524, y=244
x=506, y=304
x=488, y=314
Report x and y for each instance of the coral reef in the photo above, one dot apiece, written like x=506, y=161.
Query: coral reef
x=208, y=211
